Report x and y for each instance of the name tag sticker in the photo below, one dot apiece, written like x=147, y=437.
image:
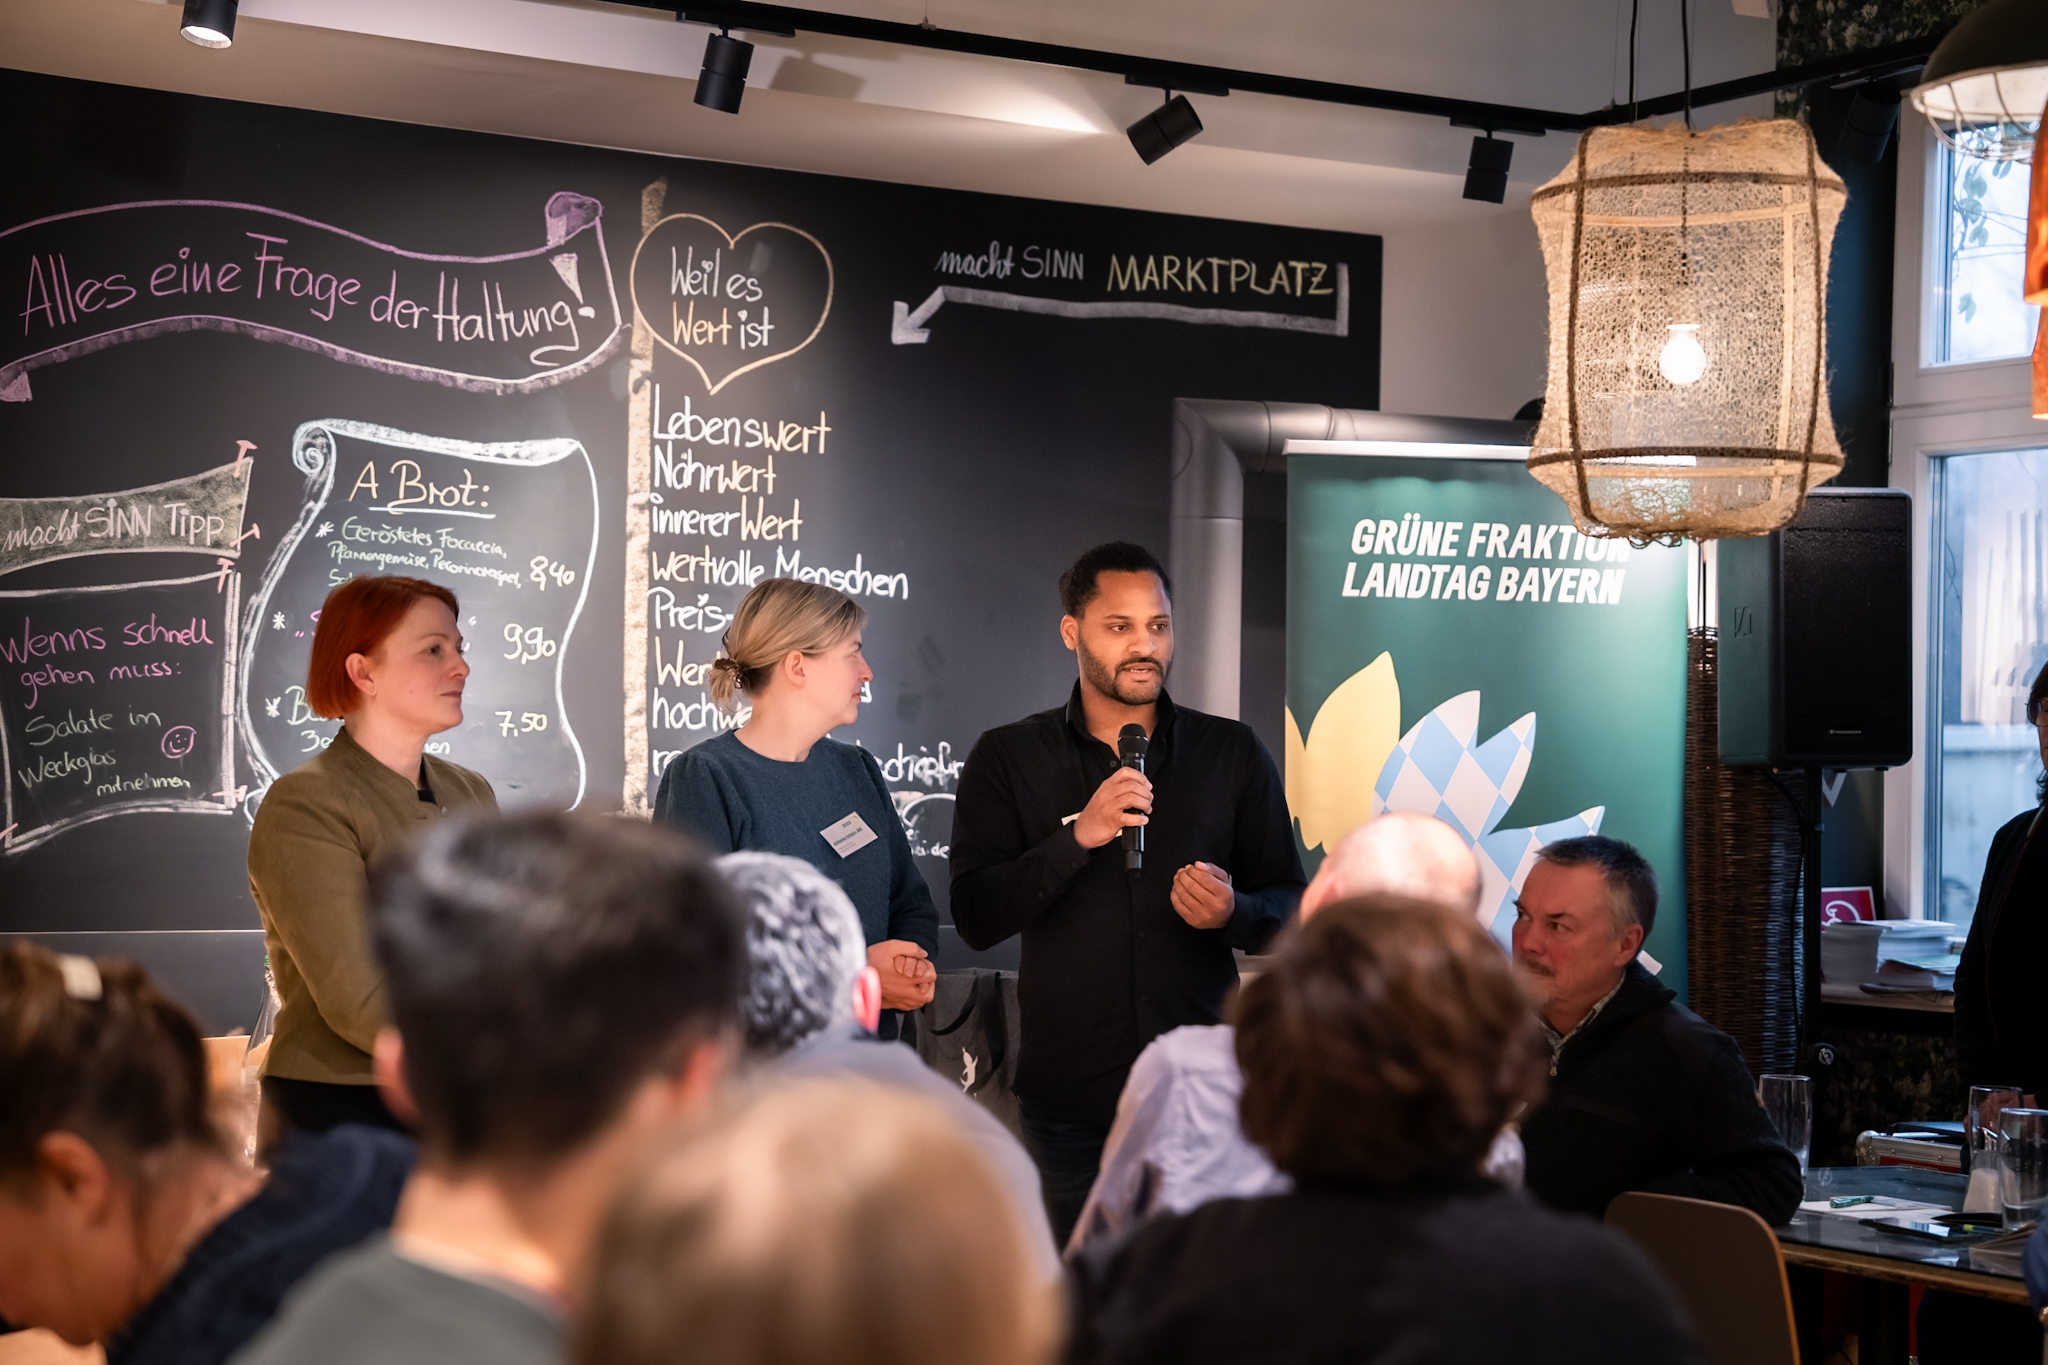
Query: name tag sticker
x=849, y=836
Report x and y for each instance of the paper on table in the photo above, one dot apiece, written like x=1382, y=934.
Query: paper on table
x=1883, y=1206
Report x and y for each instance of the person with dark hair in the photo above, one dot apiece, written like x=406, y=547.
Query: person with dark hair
x=1114, y=955
x=2001, y=1039
x=1644, y=1094
x=124, y=1218
x=387, y=659
x=2001, y=1028
x=560, y=986
x=813, y=1002
x=1383, y=1047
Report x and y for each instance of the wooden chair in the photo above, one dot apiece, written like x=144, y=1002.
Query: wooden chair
x=1728, y=1271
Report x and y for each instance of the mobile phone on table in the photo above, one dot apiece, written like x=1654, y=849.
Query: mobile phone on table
x=1932, y=1231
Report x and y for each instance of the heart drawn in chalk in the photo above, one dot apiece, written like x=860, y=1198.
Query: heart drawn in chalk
x=729, y=303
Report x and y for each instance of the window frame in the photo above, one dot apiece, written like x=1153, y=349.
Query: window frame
x=1937, y=412
x=1916, y=381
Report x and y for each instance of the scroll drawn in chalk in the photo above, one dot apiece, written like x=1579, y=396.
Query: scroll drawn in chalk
x=510, y=527
x=907, y=327
x=197, y=515
x=506, y=323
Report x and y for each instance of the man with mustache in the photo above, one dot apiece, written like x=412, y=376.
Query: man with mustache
x=1112, y=959
x=1644, y=1094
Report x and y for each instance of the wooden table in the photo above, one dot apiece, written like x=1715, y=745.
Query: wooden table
x=1888, y=1263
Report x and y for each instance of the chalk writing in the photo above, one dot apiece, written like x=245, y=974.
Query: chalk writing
x=201, y=514
x=115, y=699
x=730, y=303
x=511, y=527
x=491, y=324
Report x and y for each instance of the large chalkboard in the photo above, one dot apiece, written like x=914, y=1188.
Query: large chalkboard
x=247, y=352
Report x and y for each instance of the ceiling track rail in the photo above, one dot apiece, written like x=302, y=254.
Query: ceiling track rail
x=784, y=20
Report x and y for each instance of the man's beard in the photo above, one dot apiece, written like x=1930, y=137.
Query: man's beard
x=1114, y=684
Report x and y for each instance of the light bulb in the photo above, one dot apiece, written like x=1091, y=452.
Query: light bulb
x=1682, y=360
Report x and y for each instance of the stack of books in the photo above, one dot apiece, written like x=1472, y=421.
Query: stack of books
x=1888, y=955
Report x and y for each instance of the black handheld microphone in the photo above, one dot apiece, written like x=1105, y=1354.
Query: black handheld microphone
x=1130, y=751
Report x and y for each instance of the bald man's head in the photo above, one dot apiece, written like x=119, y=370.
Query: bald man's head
x=1398, y=854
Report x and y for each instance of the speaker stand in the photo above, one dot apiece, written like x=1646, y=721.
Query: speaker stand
x=1810, y=827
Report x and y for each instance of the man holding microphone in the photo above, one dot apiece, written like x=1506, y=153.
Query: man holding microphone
x=1115, y=956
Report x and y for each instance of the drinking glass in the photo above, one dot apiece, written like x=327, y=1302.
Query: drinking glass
x=2023, y=1164
x=1980, y=1144
x=1789, y=1102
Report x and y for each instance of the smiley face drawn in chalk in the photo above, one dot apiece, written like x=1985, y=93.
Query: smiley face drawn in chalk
x=179, y=741
x=731, y=303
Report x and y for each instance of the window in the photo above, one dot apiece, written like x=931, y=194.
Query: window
x=1978, y=251
x=1990, y=625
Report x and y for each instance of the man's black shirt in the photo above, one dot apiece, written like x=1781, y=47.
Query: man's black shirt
x=1107, y=964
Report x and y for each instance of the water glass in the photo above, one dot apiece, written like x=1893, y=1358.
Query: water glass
x=1789, y=1102
x=1980, y=1120
x=2023, y=1164
x=1980, y=1144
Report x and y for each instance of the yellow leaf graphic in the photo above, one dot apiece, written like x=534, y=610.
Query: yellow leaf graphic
x=1330, y=774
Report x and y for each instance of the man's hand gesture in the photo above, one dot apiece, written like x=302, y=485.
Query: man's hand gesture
x=1124, y=799
x=1202, y=895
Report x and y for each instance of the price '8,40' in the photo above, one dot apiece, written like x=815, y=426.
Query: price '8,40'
x=543, y=569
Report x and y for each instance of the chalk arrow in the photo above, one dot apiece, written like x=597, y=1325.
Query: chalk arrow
x=242, y=449
x=7, y=835
x=227, y=566
x=908, y=327
x=234, y=796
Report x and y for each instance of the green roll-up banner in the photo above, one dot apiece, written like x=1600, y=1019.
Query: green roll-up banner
x=1455, y=647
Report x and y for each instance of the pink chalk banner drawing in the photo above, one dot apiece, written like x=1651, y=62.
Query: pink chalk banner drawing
x=94, y=278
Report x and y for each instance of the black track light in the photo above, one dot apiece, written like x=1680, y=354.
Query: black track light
x=1165, y=128
x=209, y=23
x=1867, y=131
x=724, y=77
x=1486, y=177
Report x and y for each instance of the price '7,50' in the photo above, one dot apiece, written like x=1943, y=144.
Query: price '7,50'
x=528, y=722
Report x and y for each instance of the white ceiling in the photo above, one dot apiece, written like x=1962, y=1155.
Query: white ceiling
x=614, y=75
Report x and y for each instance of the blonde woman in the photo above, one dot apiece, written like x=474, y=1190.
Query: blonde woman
x=779, y=785
x=830, y=1222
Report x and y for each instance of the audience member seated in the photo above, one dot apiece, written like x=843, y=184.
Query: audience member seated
x=813, y=1000
x=1383, y=1047
x=1645, y=1094
x=1176, y=1142
x=124, y=1219
x=828, y=1222
x=560, y=987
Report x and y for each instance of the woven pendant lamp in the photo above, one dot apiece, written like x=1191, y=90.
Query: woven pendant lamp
x=1687, y=393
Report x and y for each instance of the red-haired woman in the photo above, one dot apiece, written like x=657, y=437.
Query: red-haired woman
x=387, y=659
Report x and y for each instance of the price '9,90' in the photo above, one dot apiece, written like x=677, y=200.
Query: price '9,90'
x=528, y=723
x=528, y=643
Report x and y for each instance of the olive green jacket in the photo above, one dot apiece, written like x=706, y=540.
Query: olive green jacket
x=317, y=833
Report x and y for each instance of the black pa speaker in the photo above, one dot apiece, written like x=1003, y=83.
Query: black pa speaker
x=1816, y=636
